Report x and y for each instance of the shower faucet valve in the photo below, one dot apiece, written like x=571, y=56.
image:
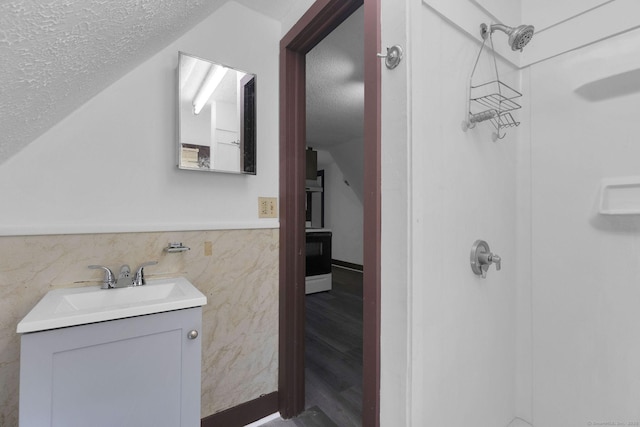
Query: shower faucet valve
x=482, y=258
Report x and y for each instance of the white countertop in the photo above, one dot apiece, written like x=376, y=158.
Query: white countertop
x=77, y=306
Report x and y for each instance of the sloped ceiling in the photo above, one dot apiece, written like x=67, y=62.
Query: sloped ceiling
x=335, y=85
x=335, y=98
x=57, y=54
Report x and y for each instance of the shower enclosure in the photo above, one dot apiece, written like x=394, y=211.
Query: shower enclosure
x=553, y=338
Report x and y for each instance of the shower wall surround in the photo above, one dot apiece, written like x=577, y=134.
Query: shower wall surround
x=236, y=269
x=584, y=287
x=464, y=189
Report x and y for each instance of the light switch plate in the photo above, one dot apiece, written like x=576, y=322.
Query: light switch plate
x=267, y=207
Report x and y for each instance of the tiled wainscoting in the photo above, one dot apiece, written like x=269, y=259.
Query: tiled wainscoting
x=236, y=269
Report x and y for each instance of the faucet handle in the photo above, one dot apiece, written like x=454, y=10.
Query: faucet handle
x=496, y=260
x=138, y=279
x=109, y=280
x=482, y=258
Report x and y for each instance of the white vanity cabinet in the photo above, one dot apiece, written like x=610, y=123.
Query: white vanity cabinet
x=137, y=371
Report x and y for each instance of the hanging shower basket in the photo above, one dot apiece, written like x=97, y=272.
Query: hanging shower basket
x=492, y=101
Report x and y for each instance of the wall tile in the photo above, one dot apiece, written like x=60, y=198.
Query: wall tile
x=239, y=278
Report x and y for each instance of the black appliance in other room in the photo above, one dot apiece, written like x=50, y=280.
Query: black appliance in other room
x=318, y=260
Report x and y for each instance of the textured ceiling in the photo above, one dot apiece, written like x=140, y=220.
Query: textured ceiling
x=335, y=85
x=57, y=54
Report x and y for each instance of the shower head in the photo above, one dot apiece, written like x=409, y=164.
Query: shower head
x=518, y=36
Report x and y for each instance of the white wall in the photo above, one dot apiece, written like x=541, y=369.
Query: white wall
x=298, y=9
x=546, y=13
x=585, y=266
x=523, y=212
x=442, y=190
x=349, y=157
x=467, y=15
x=462, y=187
x=571, y=24
x=560, y=26
x=111, y=165
x=196, y=128
x=396, y=280
x=343, y=212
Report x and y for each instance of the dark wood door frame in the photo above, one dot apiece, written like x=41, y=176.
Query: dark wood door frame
x=322, y=18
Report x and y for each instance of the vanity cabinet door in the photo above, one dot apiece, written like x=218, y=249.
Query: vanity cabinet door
x=139, y=371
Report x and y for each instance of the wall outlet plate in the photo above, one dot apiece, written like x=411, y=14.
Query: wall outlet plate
x=267, y=207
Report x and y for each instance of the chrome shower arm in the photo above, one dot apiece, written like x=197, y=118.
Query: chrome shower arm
x=505, y=29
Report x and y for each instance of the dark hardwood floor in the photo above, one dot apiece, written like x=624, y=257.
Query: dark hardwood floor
x=333, y=356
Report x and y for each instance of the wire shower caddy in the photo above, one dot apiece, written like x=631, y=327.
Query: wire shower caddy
x=492, y=101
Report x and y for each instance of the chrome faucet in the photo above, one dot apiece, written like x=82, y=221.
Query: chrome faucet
x=138, y=279
x=124, y=277
x=109, y=280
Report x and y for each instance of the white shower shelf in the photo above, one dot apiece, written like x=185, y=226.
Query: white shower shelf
x=620, y=196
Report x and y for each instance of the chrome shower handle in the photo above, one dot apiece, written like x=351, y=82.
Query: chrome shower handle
x=482, y=258
x=497, y=261
x=488, y=258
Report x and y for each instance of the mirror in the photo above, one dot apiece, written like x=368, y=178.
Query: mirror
x=216, y=117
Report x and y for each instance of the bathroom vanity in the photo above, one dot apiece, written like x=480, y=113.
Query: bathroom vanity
x=125, y=371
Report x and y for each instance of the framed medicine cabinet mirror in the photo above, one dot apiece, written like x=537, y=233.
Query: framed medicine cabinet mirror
x=216, y=117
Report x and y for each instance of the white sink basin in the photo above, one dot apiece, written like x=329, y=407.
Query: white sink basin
x=77, y=306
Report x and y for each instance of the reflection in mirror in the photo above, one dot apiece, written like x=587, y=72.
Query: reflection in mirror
x=216, y=117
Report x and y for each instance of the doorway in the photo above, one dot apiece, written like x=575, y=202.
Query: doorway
x=322, y=18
